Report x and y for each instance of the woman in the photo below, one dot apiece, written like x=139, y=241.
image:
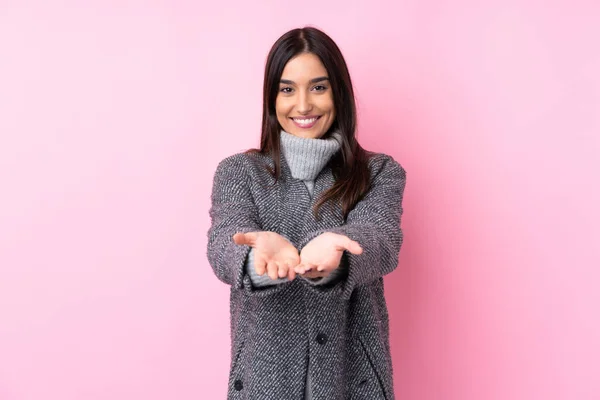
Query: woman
x=303, y=230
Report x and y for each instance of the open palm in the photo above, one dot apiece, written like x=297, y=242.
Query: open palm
x=273, y=253
x=324, y=253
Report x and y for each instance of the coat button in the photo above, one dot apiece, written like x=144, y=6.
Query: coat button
x=321, y=338
x=238, y=385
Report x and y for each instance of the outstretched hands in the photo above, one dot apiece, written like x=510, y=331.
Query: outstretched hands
x=278, y=257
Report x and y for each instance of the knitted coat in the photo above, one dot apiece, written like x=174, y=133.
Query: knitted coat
x=344, y=327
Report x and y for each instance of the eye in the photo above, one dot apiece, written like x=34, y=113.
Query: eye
x=286, y=90
x=320, y=88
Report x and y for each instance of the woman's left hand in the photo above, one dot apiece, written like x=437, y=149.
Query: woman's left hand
x=323, y=254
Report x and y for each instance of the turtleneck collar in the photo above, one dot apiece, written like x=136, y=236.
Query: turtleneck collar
x=307, y=157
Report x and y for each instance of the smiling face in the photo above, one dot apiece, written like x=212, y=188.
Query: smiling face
x=304, y=103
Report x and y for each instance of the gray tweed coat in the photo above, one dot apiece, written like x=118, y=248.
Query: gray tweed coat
x=343, y=327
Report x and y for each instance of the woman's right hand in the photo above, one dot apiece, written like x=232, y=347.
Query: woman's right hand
x=273, y=253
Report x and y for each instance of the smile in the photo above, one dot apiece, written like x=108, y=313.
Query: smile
x=305, y=122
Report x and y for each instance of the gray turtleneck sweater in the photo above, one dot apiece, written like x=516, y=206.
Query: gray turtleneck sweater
x=306, y=158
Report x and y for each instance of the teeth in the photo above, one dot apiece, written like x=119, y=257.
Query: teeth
x=305, y=121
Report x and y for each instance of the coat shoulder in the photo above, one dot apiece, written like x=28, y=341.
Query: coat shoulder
x=381, y=163
x=244, y=159
x=239, y=165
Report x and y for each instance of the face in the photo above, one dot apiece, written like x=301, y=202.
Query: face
x=304, y=103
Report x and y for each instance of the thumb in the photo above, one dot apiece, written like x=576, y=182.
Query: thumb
x=248, y=238
x=351, y=246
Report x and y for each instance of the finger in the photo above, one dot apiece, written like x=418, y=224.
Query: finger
x=272, y=268
x=248, y=238
x=299, y=269
x=324, y=268
x=291, y=274
x=321, y=268
x=260, y=266
x=306, y=267
x=292, y=265
x=282, y=271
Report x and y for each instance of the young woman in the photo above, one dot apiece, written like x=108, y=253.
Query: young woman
x=304, y=229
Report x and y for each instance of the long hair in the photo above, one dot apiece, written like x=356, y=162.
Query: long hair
x=349, y=165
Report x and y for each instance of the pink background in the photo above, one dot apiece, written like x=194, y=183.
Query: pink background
x=114, y=115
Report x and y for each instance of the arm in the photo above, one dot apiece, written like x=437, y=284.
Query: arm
x=375, y=224
x=232, y=211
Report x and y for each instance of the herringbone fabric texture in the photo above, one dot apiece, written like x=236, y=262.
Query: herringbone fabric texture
x=344, y=328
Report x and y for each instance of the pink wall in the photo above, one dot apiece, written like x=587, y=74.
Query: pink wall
x=113, y=116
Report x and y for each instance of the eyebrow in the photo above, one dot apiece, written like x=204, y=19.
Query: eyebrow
x=314, y=80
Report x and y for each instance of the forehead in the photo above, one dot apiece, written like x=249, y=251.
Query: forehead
x=303, y=67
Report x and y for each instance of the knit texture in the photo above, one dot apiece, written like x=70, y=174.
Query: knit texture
x=305, y=158
x=344, y=327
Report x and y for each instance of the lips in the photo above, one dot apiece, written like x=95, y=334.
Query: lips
x=306, y=122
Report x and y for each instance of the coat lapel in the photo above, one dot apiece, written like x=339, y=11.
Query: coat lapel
x=297, y=214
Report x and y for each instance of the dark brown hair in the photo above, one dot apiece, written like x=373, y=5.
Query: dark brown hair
x=349, y=165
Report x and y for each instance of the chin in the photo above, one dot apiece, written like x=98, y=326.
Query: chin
x=306, y=133
x=309, y=135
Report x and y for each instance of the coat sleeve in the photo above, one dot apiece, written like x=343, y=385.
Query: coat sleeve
x=232, y=210
x=375, y=224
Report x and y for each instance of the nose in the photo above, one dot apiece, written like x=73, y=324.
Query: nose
x=304, y=104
